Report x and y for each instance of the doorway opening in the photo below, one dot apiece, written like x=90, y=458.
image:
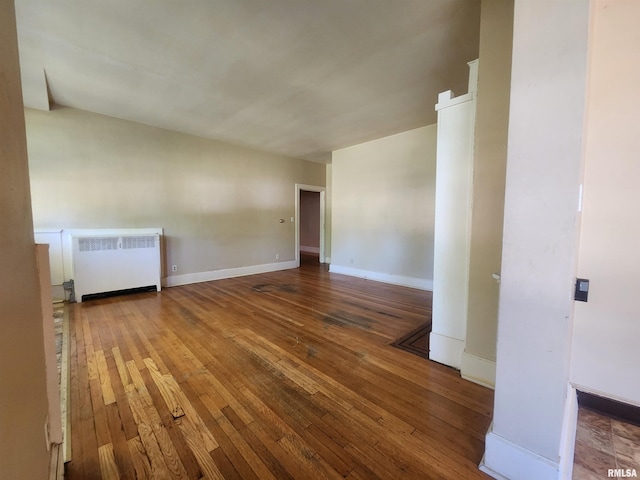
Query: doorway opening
x=309, y=223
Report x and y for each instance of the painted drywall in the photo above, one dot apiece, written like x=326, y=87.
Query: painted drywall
x=23, y=391
x=309, y=221
x=220, y=205
x=489, y=170
x=607, y=328
x=383, y=195
x=544, y=167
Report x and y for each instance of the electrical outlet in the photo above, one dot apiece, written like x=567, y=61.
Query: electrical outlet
x=277, y=256
x=174, y=268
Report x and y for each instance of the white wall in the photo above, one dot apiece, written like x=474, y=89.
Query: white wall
x=544, y=165
x=23, y=391
x=219, y=204
x=383, y=194
x=607, y=328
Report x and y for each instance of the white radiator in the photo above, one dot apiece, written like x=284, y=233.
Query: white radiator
x=107, y=263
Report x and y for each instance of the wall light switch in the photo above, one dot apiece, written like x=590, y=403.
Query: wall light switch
x=582, y=289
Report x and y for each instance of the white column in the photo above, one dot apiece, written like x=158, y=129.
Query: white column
x=534, y=417
x=452, y=234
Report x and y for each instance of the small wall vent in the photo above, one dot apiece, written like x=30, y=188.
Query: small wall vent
x=144, y=241
x=93, y=244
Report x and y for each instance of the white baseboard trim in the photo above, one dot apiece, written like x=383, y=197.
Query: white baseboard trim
x=601, y=393
x=478, y=370
x=412, y=282
x=188, y=278
x=306, y=249
x=506, y=460
x=446, y=350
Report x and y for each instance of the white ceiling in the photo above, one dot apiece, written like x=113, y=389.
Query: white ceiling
x=296, y=77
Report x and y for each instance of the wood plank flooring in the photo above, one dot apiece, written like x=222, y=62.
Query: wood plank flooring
x=285, y=375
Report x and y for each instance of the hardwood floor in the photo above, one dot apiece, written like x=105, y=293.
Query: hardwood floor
x=280, y=375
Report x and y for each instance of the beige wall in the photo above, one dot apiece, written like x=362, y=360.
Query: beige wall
x=489, y=170
x=219, y=204
x=382, y=196
x=607, y=328
x=23, y=394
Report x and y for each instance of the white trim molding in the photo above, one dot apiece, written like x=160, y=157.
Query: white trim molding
x=188, y=278
x=583, y=388
x=412, y=282
x=505, y=460
x=446, y=350
x=478, y=370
